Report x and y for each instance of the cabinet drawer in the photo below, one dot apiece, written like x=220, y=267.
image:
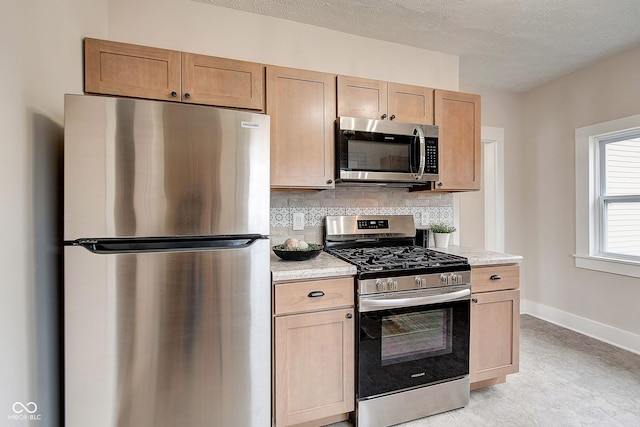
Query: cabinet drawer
x=297, y=297
x=495, y=278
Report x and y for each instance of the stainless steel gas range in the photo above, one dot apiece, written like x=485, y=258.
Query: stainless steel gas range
x=412, y=357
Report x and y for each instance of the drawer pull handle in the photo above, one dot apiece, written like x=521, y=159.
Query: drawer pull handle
x=315, y=294
x=349, y=315
x=495, y=277
x=474, y=300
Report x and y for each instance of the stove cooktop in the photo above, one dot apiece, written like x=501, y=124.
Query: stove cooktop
x=384, y=246
x=399, y=258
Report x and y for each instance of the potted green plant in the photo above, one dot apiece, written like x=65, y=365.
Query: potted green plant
x=441, y=232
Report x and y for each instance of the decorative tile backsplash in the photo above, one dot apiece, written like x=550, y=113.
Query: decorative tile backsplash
x=353, y=201
x=314, y=216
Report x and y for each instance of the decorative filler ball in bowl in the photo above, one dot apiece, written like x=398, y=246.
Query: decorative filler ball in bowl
x=297, y=250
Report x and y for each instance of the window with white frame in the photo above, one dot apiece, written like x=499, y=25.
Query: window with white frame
x=619, y=194
x=608, y=196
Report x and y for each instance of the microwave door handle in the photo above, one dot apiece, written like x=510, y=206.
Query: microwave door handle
x=387, y=303
x=420, y=136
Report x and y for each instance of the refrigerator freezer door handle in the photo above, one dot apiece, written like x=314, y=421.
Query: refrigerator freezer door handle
x=131, y=245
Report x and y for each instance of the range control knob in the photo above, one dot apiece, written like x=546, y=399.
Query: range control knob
x=390, y=285
x=445, y=279
x=421, y=282
x=393, y=285
x=379, y=285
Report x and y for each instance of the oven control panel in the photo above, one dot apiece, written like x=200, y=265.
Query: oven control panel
x=373, y=224
x=406, y=283
x=452, y=279
x=386, y=285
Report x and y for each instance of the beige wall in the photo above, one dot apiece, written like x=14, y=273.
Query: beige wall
x=501, y=109
x=540, y=194
x=41, y=60
x=604, y=91
x=202, y=28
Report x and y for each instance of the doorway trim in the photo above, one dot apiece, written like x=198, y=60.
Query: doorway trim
x=493, y=176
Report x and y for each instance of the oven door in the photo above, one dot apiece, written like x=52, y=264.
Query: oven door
x=413, y=345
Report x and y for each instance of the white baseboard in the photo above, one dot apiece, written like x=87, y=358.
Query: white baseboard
x=600, y=331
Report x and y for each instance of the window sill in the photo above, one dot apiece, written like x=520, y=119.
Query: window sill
x=608, y=265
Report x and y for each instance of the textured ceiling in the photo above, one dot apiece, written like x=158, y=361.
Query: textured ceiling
x=507, y=44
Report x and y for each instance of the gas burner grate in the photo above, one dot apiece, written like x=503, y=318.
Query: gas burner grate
x=390, y=258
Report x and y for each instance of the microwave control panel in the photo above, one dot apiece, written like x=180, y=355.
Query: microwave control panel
x=431, y=155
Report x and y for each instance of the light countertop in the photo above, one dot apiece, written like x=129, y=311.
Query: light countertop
x=324, y=265
x=480, y=256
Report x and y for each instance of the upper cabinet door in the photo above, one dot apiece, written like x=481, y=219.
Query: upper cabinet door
x=410, y=104
x=114, y=68
x=458, y=116
x=378, y=100
x=364, y=98
x=302, y=109
x=224, y=82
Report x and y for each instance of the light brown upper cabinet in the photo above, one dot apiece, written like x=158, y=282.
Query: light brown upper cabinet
x=379, y=100
x=220, y=81
x=458, y=116
x=114, y=68
x=302, y=108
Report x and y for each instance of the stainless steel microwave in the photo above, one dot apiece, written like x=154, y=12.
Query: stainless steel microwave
x=385, y=153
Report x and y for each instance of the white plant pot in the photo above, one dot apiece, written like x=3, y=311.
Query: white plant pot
x=441, y=239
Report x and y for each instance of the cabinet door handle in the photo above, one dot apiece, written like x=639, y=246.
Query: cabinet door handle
x=187, y=95
x=474, y=300
x=393, y=116
x=349, y=315
x=384, y=116
x=495, y=277
x=329, y=181
x=315, y=294
x=174, y=93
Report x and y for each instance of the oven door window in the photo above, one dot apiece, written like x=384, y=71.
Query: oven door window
x=414, y=336
x=410, y=347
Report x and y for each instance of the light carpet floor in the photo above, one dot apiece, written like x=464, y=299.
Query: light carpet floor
x=565, y=379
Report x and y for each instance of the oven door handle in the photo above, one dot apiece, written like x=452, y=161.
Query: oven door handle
x=387, y=303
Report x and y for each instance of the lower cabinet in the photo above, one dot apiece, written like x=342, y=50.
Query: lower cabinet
x=313, y=351
x=495, y=324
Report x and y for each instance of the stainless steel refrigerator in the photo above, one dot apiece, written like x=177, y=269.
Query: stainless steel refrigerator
x=167, y=295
